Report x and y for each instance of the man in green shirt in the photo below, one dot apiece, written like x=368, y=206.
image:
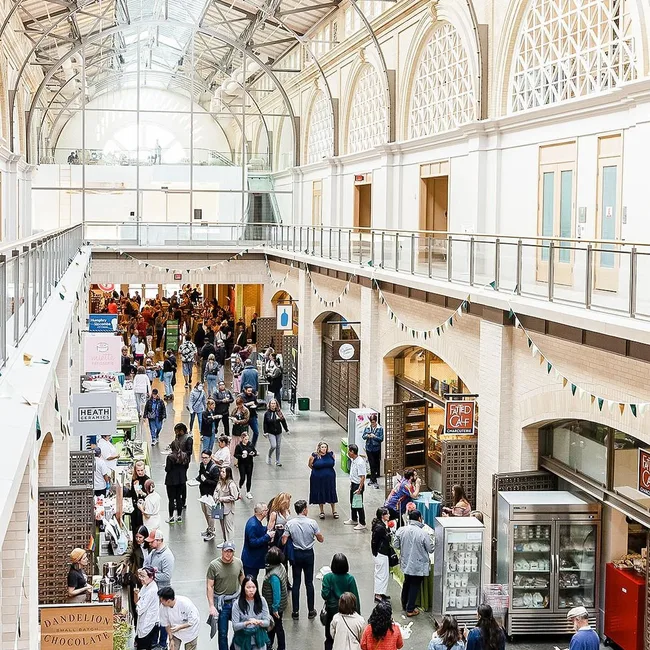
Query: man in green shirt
x=223, y=581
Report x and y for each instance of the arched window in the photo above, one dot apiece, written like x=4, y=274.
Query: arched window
x=320, y=136
x=571, y=48
x=443, y=95
x=368, y=125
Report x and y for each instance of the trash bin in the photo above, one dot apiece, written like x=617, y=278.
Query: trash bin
x=303, y=403
x=345, y=461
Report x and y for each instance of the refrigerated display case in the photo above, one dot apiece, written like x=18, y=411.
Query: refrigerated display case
x=458, y=567
x=548, y=552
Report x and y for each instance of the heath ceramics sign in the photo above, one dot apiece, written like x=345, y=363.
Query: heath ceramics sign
x=94, y=413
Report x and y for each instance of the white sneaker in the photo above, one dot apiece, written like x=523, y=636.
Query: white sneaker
x=268, y=460
x=359, y=527
x=349, y=522
x=249, y=495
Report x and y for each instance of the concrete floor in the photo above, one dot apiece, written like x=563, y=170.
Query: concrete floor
x=193, y=554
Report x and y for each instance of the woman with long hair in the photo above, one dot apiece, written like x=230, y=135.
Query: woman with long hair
x=279, y=511
x=488, y=634
x=447, y=636
x=245, y=453
x=175, y=480
x=135, y=561
x=461, y=507
x=211, y=374
x=347, y=625
x=381, y=550
x=239, y=419
x=148, y=607
x=136, y=492
x=227, y=494
x=274, y=422
x=208, y=426
x=322, y=481
x=150, y=506
x=382, y=633
x=250, y=617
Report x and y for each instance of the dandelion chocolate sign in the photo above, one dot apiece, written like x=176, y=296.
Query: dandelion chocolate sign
x=77, y=626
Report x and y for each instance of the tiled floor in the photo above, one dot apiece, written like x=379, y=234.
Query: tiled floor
x=193, y=554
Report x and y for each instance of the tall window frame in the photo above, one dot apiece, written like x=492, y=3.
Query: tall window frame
x=368, y=116
x=320, y=132
x=553, y=62
x=443, y=95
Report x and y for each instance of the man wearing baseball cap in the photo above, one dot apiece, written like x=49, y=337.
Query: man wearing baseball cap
x=223, y=581
x=584, y=638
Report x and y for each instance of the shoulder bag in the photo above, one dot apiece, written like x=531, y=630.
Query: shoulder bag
x=351, y=632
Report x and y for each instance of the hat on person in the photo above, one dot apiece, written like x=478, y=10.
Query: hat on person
x=155, y=534
x=228, y=546
x=76, y=555
x=577, y=611
x=98, y=451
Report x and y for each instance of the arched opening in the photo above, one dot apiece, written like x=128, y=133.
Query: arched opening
x=340, y=377
x=422, y=384
x=285, y=301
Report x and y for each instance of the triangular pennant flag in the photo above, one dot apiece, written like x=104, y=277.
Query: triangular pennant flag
x=451, y=321
x=517, y=323
x=592, y=398
x=573, y=389
x=511, y=313
x=611, y=405
x=534, y=350
x=493, y=284
x=530, y=342
x=621, y=408
x=549, y=367
x=600, y=403
x=633, y=409
x=581, y=392
x=541, y=359
x=438, y=331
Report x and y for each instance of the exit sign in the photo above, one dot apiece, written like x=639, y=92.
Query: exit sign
x=178, y=276
x=358, y=178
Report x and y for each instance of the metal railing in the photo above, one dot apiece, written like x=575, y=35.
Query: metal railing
x=29, y=269
x=594, y=274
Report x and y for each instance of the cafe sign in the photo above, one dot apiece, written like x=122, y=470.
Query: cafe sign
x=77, y=626
x=460, y=417
x=644, y=472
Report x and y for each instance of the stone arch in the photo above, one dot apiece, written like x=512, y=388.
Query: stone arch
x=514, y=21
x=549, y=404
x=445, y=14
x=359, y=67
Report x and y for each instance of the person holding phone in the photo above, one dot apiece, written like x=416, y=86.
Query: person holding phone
x=447, y=635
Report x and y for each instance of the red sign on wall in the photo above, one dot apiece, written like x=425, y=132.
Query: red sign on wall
x=644, y=471
x=460, y=417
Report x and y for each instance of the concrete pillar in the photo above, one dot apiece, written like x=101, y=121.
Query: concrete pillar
x=309, y=346
x=495, y=394
x=371, y=364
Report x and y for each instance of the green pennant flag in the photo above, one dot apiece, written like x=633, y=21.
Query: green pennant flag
x=601, y=401
x=425, y=336
x=548, y=367
x=573, y=389
x=511, y=314
x=633, y=409
x=493, y=284
x=166, y=270
x=530, y=343
x=209, y=268
x=438, y=331
x=56, y=402
x=61, y=296
x=451, y=321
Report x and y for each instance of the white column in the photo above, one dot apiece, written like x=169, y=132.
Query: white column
x=371, y=364
x=309, y=346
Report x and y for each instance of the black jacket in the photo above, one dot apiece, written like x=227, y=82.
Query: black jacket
x=251, y=452
x=220, y=355
x=206, y=423
x=223, y=408
x=208, y=478
x=273, y=424
x=207, y=350
x=199, y=338
x=175, y=473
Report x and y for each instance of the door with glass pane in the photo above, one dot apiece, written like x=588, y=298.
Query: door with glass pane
x=608, y=210
x=531, y=566
x=556, y=210
x=577, y=564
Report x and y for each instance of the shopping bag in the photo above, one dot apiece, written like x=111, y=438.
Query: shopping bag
x=217, y=511
x=357, y=500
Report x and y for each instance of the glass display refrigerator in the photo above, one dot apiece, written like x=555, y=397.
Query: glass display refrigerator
x=458, y=565
x=548, y=553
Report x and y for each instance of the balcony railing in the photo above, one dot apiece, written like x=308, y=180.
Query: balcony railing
x=29, y=269
x=593, y=274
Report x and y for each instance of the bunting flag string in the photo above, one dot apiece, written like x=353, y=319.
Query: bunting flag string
x=635, y=408
x=276, y=283
x=438, y=330
x=172, y=269
x=338, y=299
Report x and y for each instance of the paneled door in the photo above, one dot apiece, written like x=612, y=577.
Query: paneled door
x=556, y=210
x=608, y=210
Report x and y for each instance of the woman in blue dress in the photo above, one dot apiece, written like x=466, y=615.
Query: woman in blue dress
x=322, y=482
